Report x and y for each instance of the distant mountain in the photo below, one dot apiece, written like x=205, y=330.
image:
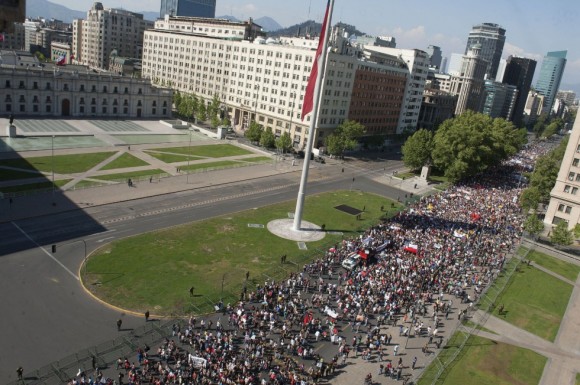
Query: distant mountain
x=268, y=24
x=48, y=10
x=228, y=17
x=311, y=28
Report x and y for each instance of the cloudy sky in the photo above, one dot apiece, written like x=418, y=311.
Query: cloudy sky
x=533, y=27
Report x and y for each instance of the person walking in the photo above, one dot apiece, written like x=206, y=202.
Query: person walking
x=395, y=350
x=414, y=363
x=147, y=316
x=119, y=324
x=19, y=372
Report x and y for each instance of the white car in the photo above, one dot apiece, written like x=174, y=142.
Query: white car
x=351, y=261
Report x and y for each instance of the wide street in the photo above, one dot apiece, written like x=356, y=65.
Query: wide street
x=48, y=315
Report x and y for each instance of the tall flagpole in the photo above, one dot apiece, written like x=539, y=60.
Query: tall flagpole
x=321, y=62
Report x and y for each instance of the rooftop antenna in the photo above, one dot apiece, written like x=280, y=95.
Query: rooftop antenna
x=309, y=5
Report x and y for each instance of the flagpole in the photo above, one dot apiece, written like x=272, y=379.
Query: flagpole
x=317, y=93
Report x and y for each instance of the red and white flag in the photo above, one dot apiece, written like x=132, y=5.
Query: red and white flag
x=308, y=103
x=61, y=60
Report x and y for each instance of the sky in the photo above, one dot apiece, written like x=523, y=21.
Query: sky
x=533, y=27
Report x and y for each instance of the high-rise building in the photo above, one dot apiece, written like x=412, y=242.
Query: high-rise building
x=491, y=37
x=108, y=30
x=193, y=8
x=435, y=58
x=499, y=99
x=519, y=72
x=565, y=196
x=550, y=76
x=569, y=97
x=468, y=83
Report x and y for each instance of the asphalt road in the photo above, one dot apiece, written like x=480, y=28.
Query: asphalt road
x=47, y=314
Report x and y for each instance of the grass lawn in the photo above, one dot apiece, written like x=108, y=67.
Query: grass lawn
x=485, y=362
x=257, y=159
x=127, y=175
x=125, y=160
x=172, y=158
x=577, y=378
x=211, y=165
x=535, y=301
x=565, y=269
x=208, y=151
x=34, y=186
x=63, y=164
x=155, y=271
x=7, y=174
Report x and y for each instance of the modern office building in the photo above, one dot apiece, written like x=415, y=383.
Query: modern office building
x=519, y=72
x=565, y=196
x=435, y=57
x=499, y=99
x=533, y=108
x=192, y=8
x=550, y=76
x=569, y=97
x=468, y=84
x=108, y=30
x=31, y=88
x=491, y=37
x=264, y=80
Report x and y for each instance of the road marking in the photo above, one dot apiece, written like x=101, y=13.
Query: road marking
x=46, y=252
x=100, y=234
x=104, y=239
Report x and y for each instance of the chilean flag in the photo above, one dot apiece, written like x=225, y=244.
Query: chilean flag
x=411, y=248
x=61, y=60
x=308, y=103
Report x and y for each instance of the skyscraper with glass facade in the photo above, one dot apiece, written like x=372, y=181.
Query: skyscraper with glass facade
x=519, y=72
x=550, y=76
x=195, y=8
x=491, y=37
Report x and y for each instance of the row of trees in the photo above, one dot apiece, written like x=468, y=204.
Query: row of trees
x=189, y=106
x=257, y=134
x=464, y=146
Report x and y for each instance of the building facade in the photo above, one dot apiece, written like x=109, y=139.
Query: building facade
x=491, y=37
x=533, y=108
x=569, y=97
x=519, y=72
x=550, y=76
x=468, y=84
x=192, y=8
x=435, y=57
x=39, y=89
x=105, y=31
x=437, y=107
x=264, y=80
x=565, y=196
x=499, y=100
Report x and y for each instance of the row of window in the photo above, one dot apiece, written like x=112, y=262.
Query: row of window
x=564, y=208
x=570, y=190
x=65, y=87
x=104, y=109
x=572, y=176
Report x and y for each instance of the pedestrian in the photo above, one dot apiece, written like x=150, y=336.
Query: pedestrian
x=150, y=179
x=147, y=316
x=119, y=323
x=395, y=350
x=129, y=147
x=382, y=208
x=414, y=363
x=19, y=372
x=121, y=375
x=191, y=291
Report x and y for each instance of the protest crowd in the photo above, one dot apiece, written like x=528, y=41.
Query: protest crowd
x=417, y=271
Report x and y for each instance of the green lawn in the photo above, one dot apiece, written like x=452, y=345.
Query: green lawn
x=7, y=174
x=257, y=159
x=209, y=151
x=63, y=164
x=484, y=362
x=155, y=271
x=577, y=378
x=211, y=165
x=535, y=301
x=34, y=186
x=565, y=269
x=127, y=175
x=172, y=158
x=124, y=161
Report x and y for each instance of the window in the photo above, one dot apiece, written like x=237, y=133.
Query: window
x=48, y=108
x=575, y=162
x=561, y=207
x=35, y=85
x=9, y=107
x=65, y=87
x=48, y=86
x=578, y=148
x=94, y=89
x=22, y=108
x=8, y=84
x=82, y=109
x=21, y=85
x=82, y=87
x=126, y=90
x=567, y=188
x=154, y=111
x=571, y=176
x=574, y=190
x=93, y=110
x=104, y=110
x=568, y=210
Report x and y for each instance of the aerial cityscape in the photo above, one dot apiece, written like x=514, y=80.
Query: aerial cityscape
x=225, y=192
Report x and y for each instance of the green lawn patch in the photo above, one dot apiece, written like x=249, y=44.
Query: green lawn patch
x=535, y=301
x=8, y=174
x=208, y=151
x=211, y=165
x=484, y=362
x=405, y=175
x=34, y=186
x=577, y=378
x=565, y=269
x=124, y=161
x=63, y=164
x=127, y=175
x=172, y=158
x=257, y=159
x=155, y=271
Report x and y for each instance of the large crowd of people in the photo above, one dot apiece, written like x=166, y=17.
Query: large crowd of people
x=429, y=261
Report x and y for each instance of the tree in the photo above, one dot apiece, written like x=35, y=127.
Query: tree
x=254, y=132
x=540, y=125
x=176, y=98
x=267, y=140
x=344, y=137
x=213, y=108
x=201, y=112
x=472, y=142
x=577, y=230
x=284, y=142
x=417, y=149
x=530, y=198
x=215, y=121
x=561, y=235
x=551, y=129
x=533, y=225
x=226, y=122
x=546, y=170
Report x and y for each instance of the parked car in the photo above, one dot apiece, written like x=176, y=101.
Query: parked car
x=351, y=261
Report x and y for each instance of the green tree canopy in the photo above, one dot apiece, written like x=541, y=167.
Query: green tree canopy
x=201, y=111
x=472, y=142
x=344, y=137
x=254, y=132
x=267, y=139
x=546, y=170
x=533, y=225
x=417, y=149
x=530, y=198
x=284, y=143
x=561, y=235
